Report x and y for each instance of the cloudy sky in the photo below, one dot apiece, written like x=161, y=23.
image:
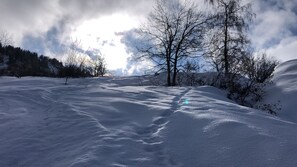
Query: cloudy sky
x=49, y=26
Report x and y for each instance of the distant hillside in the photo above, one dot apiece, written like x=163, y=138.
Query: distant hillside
x=15, y=61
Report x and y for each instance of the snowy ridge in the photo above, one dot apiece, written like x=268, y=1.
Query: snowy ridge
x=221, y=133
x=284, y=90
x=115, y=122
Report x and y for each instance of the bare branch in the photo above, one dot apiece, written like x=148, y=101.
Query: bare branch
x=173, y=32
x=5, y=38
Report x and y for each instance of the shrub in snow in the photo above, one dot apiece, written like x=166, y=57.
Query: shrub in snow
x=247, y=87
x=72, y=71
x=270, y=108
x=189, y=79
x=259, y=68
x=245, y=91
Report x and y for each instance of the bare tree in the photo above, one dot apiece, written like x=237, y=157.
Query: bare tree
x=189, y=73
x=5, y=38
x=259, y=68
x=227, y=42
x=76, y=62
x=173, y=32
x=100, y=68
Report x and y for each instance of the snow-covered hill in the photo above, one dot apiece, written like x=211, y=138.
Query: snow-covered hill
x=283, y=90
x=114, y=122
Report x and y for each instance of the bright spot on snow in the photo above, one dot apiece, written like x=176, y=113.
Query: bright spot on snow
x=184, y=102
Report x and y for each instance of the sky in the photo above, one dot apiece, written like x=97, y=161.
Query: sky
x=48, y=27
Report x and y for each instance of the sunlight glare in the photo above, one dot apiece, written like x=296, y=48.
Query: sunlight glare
x=104, y=34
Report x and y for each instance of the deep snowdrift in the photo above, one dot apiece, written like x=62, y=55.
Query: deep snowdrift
x=114, y=122
x=284, y=90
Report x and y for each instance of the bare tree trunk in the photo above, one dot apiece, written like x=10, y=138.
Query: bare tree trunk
x=226, y=61
x=174, y=72
x=168, y=72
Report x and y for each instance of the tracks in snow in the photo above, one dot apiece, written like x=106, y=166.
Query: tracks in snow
x=64, y=126
x=151, y=135
x=136, y=145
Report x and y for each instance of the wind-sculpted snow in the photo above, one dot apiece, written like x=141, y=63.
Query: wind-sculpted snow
x=222, y=133
x=115, y=122
x=283, y=90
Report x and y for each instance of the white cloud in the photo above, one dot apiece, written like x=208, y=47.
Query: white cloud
x=37, y=17
x=102, y=34
x=275, y=28
x=285, y=50
x=30, y=16
x=43, y=26
x=52, y=23
x=271, y=26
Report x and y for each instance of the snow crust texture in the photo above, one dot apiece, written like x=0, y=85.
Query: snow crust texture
x=114, y=122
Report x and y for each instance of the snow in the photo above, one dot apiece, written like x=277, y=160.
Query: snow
x=124, y=121
x=221, y=133
x=284, y=90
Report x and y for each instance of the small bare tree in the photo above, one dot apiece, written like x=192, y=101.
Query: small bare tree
x=256, y=72
x=100, y=68
x=188, y=74
x=173, y=32
x=259, y=68
x=76, y=62
x=5, y=38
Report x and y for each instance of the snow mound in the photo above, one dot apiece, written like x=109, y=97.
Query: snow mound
x=210, y=130
x=284, y=90
x=114, y=122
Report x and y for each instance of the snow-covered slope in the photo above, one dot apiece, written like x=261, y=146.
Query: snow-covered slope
x=284, y=90
x=113, y=122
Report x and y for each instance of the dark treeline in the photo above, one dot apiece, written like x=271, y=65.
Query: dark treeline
x=15, y=61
